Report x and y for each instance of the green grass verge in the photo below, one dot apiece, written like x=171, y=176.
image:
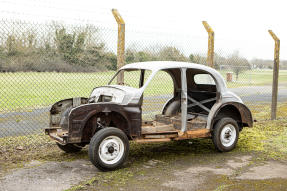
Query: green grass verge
x=33, y=90
x=255, y=78
x=261, y=111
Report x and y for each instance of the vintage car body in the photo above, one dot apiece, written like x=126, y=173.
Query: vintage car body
x=193, y=112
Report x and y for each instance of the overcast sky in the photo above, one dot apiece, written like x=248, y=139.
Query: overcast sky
x=239, y=25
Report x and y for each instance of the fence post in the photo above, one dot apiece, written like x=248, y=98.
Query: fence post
x=275, y=75
x=121, y=44
x=210, y=53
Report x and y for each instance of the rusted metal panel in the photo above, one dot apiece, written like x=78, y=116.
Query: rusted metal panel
x=275, y=75
x=53, y=135
x=160, y=136
x=195, y=123
x=163, y=119
x=130, y=122
x=246, y=116
x=245, y=113
x=60, y=110
x=147, y=123
x=198, y=133
x=152, y=140
x=157, y=129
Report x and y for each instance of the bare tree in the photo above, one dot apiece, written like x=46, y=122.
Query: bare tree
x=237, y=63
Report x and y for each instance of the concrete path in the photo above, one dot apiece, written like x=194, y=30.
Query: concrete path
x=57, y=176
x=49, y=176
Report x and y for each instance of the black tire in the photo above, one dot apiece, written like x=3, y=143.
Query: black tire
x=109, y=133
x=69, y=148
x=218, y=141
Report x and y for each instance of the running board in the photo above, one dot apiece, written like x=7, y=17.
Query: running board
x=198, y=133
x=165, y=137
x=152, y=140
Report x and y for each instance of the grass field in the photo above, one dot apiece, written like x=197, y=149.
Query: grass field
x=256, y=78
x=32, y=90
x=24, y=91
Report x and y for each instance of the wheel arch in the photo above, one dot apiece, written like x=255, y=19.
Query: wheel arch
x=168, y=104
x=237, y=111
x=128, y=119
x=111, y=119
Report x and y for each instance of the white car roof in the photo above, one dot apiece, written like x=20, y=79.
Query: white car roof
x=161, y=65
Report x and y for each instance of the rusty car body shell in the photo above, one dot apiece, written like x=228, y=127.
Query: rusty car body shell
x=75, y=120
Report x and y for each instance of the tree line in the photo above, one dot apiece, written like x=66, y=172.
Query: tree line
x=76, y=51
x=84, y=50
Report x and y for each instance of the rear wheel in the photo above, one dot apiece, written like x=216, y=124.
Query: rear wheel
x=109, y=149
x=225, y=134
x=69, y=148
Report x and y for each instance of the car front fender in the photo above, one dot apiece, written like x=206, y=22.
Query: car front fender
x=79, y=116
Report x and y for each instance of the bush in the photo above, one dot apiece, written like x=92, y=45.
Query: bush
x=76, y=51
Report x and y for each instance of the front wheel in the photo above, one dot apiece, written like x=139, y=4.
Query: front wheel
x=225, y=134
x=109, y=149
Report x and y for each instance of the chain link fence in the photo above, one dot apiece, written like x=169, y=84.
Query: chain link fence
x=44, y=63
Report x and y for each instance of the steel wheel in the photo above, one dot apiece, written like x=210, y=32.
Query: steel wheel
x=228, y=135
x=225, y=134
x=111, y=150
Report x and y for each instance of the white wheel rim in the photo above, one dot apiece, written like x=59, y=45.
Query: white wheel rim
x=228, y=135
x=111, y=149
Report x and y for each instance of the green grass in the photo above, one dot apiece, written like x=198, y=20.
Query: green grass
x=256, y=78
x=32, y=90
x=23, y=91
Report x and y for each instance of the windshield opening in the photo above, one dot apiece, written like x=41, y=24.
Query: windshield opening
x=132, y=77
